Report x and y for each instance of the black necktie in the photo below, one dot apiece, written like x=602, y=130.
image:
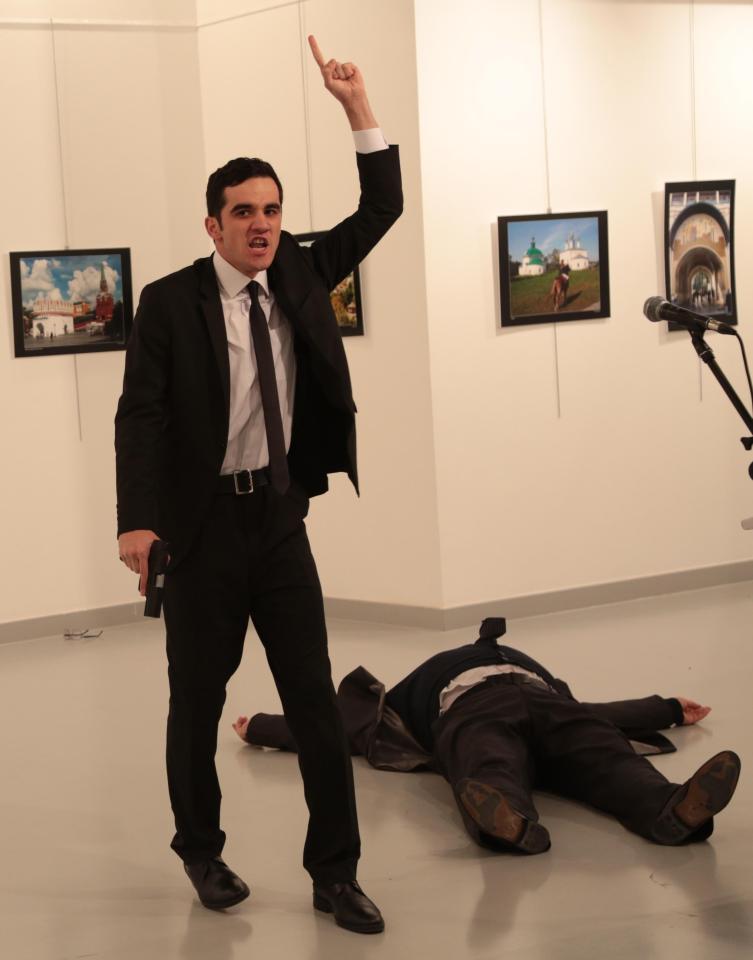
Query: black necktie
x=270, y=400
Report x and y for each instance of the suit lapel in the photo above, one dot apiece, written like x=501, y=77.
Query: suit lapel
x=307, y=312
x=211, y=307
x=306, y=305
x=292, y=288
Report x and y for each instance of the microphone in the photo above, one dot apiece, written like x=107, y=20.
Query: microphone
x=657, y=308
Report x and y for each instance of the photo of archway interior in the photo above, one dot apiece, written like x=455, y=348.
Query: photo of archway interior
x=700, y=243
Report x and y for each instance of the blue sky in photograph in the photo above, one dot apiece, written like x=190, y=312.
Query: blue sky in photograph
x=69, y=277
x=553, y=233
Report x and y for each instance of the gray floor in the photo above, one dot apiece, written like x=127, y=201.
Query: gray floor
x=87, y=873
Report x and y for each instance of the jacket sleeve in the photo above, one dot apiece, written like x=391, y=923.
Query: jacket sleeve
x=359, y=700
x=270, y=730
x=380, y=204
x=648, y=713
x=640, y=720
x=140, y=418
x=373, y=729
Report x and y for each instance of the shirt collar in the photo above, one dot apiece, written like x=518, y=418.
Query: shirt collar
x=232, y=281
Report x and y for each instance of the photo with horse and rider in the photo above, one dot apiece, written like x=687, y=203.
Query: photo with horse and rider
x=554, y=267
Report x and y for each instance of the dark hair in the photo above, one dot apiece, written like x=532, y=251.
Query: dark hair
x=235, y=172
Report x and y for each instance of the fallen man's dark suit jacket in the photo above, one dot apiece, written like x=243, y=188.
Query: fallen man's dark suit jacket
x=392, y=729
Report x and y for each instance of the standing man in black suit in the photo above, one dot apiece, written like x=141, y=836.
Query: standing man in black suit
x=236, y=406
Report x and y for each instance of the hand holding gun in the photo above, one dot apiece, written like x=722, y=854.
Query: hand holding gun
x=159, y=558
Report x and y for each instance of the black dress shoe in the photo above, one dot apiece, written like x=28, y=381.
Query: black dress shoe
x=216, y=884
x=352, y=908
x=491, y=812
x=688, y=814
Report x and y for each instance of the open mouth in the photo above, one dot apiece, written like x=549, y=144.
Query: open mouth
x=259, y=243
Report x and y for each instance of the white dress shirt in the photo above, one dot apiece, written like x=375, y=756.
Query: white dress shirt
x=247, y=436
x=476, y=675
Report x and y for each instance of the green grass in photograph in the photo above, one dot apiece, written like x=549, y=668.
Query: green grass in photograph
x=531, y=295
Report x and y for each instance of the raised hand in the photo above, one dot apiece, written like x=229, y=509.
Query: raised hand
x=692, y=712
x=345, y=82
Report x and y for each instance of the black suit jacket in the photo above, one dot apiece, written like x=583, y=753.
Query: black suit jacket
x=171, y=426
x=416, y=698
x=392, y=728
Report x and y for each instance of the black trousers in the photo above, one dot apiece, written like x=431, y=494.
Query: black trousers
x=252, y=559
x=517, y=736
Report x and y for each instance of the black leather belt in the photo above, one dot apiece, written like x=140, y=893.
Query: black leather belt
x=521, y=679
x=517, y=679
x=240, y=482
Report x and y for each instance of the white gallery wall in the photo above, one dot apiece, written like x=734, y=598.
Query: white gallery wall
x=494, y=463
x=636, y=468
x=127, y=166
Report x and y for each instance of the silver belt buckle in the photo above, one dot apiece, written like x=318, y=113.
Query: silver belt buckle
x=241, y=493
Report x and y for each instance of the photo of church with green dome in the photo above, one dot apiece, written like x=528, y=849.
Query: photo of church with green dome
x=553, y=267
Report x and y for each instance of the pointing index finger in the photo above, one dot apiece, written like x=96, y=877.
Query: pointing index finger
x=318, y=56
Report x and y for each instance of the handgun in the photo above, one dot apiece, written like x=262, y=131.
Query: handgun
x=159, y=558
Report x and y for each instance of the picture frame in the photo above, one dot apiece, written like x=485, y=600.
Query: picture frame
x=553, y=267
x=699, y=250
x=345, y=298
x=71, y=301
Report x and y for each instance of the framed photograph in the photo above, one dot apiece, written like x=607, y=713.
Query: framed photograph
x=71, y=301
x=699, y=262
x=345, y=298
x=553, y=266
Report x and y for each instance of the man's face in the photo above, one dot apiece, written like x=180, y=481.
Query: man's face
x=247, y=232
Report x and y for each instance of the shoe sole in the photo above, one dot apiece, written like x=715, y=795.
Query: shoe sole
x=708, y=792
x=324, y=906
x=710, y=789
x=489, y=808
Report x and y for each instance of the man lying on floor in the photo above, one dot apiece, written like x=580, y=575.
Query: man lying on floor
x=498, y=725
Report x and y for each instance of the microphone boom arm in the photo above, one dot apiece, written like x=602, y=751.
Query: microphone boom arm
x=706, y=354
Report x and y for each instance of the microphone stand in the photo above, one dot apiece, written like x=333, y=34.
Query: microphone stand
x=706, y=354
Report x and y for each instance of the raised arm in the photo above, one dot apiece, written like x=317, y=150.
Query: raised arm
x=345, y=82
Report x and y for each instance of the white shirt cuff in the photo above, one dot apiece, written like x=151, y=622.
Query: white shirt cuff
x=369, y=141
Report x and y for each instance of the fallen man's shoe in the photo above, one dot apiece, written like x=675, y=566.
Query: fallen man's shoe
x=491, y=812
x=691, y=808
